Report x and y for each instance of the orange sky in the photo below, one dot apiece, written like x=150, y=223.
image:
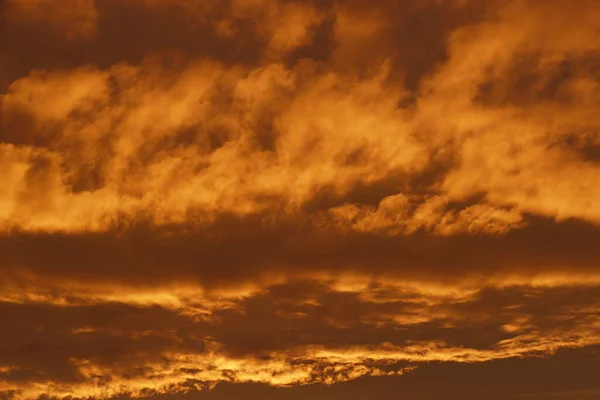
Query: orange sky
x=216, y=199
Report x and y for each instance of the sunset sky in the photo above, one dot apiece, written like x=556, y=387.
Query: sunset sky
x=299, y=199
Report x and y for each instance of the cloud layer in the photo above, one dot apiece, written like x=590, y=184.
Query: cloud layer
x=106, y=342
x=290, y=192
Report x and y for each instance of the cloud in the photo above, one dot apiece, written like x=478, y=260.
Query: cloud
x=153, y=257
x=291, y=193
x=76, y=19
x=398, y=214
x=528, y=159
x=207, y=149
x=287, y=140
x=304, y=331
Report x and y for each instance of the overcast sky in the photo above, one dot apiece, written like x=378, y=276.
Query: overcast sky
x=291, y=199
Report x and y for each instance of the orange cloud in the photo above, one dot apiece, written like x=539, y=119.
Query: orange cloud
x=509, y=150
x=385, y=328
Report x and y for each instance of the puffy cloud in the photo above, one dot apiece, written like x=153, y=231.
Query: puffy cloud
x=511, y=102
x=398, y=214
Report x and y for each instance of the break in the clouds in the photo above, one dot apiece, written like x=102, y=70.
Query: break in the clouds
x=284, y=192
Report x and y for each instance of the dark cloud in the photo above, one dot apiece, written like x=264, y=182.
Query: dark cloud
x=127, y=32
x=154, y=256
x=130, y=31
x=105, y=343
x=40, y=342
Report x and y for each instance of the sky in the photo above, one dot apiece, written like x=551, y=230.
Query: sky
x=290, y=199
